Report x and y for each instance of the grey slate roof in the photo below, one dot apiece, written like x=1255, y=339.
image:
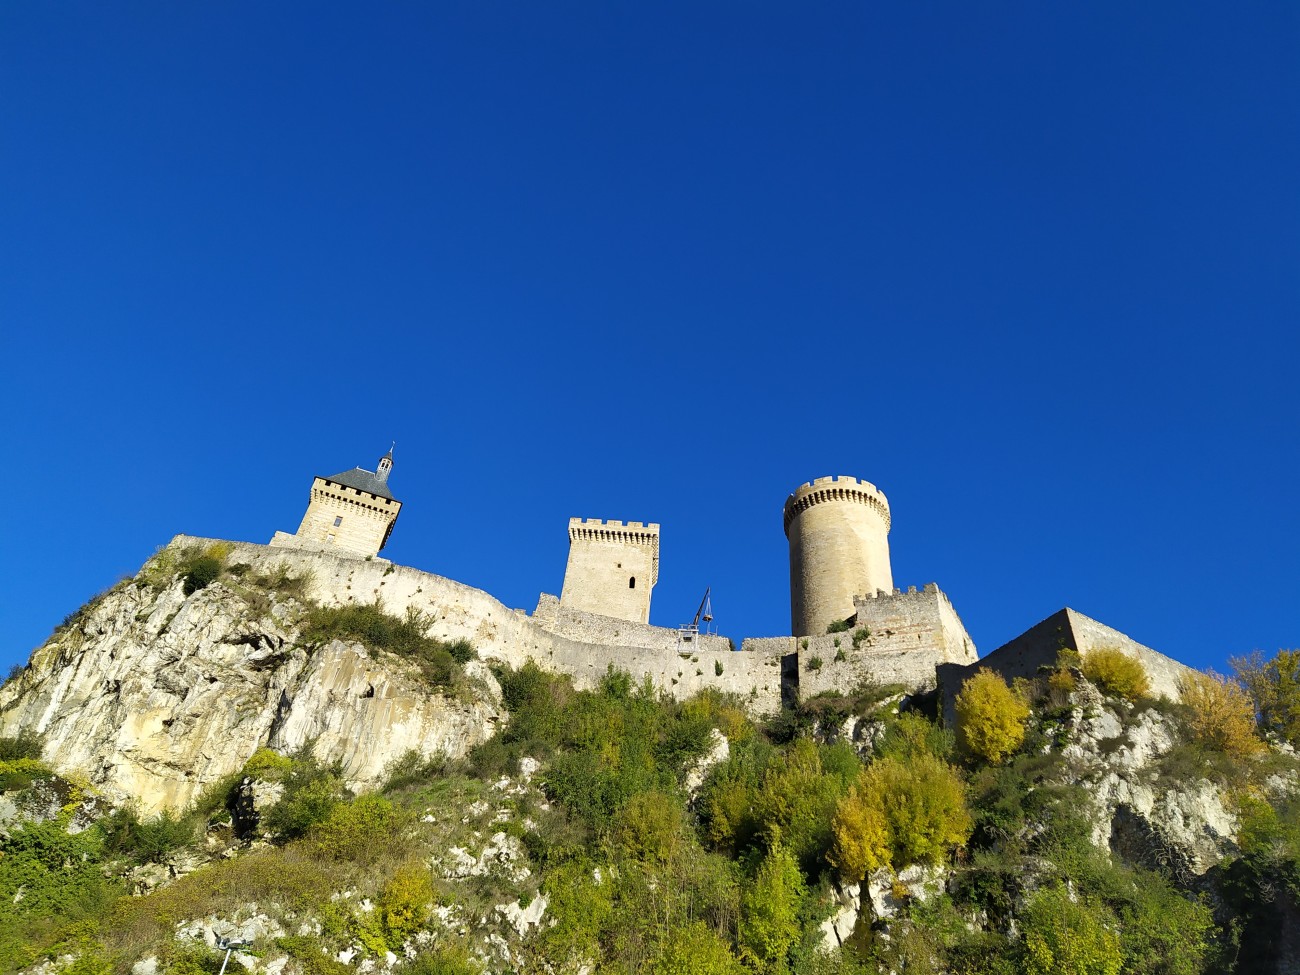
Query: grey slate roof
x=363, y=481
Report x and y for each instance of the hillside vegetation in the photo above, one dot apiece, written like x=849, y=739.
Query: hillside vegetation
x=616, y=831
x=1067, y=824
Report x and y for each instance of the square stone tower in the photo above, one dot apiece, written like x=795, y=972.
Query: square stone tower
x=612, y=568
x=352, y=512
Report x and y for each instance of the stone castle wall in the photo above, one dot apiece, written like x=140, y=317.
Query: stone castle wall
x=571, y=643
x=612, y=568
x=364, y=520
x=838, y=532
x=1039, y=646
x=909, y=634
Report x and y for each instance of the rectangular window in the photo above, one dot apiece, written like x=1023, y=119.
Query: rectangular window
x=329, y=539
x=338, y=520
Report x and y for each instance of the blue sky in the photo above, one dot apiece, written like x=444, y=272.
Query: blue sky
x=1031, y=268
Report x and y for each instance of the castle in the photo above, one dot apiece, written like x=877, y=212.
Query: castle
x=351, y=512
x=848, y=623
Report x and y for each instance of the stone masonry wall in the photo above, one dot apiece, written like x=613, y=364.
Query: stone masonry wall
x=564, y=621
x=909, y=634
x=1039, y=646
x=513, y=637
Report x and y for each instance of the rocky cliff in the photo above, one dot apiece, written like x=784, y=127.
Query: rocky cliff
x=151, y=693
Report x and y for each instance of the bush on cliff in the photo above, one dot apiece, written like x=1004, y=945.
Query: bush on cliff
x=406, y=636
x=1115, y=672
x=1220, y=714
x=990, y=717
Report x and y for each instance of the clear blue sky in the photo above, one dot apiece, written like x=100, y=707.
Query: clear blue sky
x=1033, y=269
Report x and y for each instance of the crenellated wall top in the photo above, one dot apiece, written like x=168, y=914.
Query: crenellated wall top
x=598, y=529
x=839, y=488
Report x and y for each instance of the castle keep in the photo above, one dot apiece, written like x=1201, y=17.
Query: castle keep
x=350, y=512
x=612, y=568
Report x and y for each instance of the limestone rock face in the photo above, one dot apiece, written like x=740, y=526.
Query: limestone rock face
x=1186, y=829
x=152, y=695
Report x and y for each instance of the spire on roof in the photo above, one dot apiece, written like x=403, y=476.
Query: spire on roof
x=385, y=465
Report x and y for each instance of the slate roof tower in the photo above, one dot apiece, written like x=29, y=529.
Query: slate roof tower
x=353, y=511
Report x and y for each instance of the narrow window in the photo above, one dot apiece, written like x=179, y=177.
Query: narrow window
x=329, y=539
x=631, y=583
x=338, y=520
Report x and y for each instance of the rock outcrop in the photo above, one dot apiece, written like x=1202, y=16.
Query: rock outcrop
x=152, y=695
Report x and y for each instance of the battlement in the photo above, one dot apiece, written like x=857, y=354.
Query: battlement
x=929, y=587
x=838, y=488
x=629, y=533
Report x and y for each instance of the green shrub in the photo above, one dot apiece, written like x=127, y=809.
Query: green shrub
x=814, y=663
x=50, y=882
x=1115, y=672
x=990, y=717
x=355, y=830
x=769, y=917
x=402, y=635
x=694, y=949
x=201, y=567
x=1274, y=688
x=411, y=769
x=651, y=827
x=461, y=651
x=307, y=805
x=26, y=744
x=441, y=961
x=147, y=840
x=311, y=954
x=19, y=773
x=717, y=668
x=860, y=635
x=797, y=796
x=405, y=901
x=840, y=626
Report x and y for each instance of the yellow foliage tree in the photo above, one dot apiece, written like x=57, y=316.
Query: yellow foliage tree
x=860, y=834
x=990, y=717
x=1221, y=714
x=898, y=813
x=1115, y=672
x=1274, y=687
x=405, y=901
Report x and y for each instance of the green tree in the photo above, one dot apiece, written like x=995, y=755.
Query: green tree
x=1064, y=934
x=798, y=796
x=695, y=950
x=769, y=915
x=990, y=717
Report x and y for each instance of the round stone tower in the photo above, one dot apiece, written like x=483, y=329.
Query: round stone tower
x=838, y=529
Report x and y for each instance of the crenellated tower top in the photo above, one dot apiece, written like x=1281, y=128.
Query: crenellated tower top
x=840, y=488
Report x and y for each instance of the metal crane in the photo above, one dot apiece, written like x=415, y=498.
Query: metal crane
x=690, y=632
